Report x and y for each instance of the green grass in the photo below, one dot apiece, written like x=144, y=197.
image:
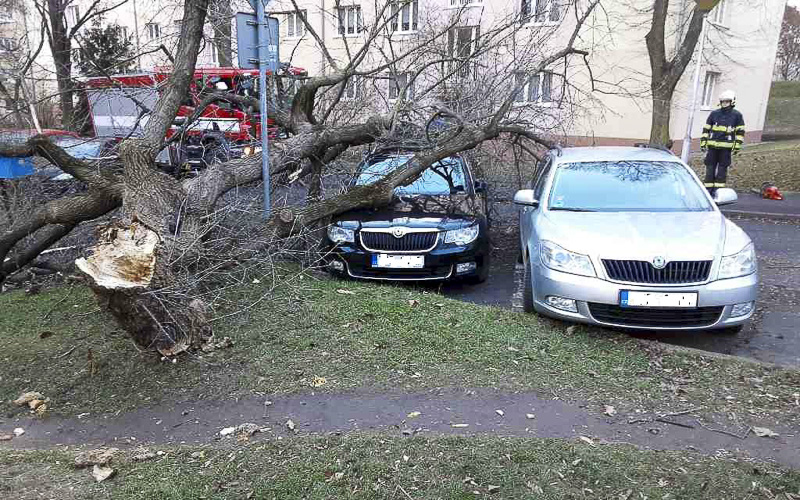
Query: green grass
x=374, y=467
x=776, y=162
x=785, y=90
x=372, y=339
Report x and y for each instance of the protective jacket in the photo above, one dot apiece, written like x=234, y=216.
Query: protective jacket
x=724, y=129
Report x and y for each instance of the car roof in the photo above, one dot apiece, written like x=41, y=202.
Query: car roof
x=613, y=153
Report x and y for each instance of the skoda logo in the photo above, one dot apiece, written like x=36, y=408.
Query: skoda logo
x=399, y=232
x=659, y=262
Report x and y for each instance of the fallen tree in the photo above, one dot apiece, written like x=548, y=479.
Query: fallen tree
x=160, y=224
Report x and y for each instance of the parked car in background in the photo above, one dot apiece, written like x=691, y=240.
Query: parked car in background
x=628, y=237
x=436, y=228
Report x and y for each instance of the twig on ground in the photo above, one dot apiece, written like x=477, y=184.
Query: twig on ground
x=726, y=432
x=672, y=422
x=66, y=353
x=679, y=413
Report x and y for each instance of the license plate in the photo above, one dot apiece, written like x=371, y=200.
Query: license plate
x=398, y=261
x=657, y=299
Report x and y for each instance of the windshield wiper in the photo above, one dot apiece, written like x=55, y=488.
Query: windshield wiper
x=570, y=209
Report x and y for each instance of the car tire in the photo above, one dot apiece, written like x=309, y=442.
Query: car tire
x=482, y=276
x=527, y=294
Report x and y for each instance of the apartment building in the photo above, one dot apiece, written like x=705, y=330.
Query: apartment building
x=740, y=52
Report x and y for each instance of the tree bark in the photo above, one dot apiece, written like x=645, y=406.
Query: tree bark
x=221, y=15
x=666, y=73
x=61, y=49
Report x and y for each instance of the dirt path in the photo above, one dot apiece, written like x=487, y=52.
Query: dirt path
x=439, y=411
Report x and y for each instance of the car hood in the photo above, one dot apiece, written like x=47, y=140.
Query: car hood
x=642, y=235
x=420, y=211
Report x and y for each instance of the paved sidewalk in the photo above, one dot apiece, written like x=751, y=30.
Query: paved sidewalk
x=754, y=204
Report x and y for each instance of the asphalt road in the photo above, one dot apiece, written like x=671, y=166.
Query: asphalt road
x=774, y=334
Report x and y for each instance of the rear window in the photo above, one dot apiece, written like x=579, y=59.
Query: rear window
x=627, y=186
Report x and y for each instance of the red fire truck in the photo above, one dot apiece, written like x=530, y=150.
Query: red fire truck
x=119, y=104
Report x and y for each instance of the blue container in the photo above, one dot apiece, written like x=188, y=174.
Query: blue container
x=12, y=168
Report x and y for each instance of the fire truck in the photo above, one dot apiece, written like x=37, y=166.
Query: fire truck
x=119, y=108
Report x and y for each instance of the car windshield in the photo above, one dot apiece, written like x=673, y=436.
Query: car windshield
x=80, y=148
x=626, y=186
x=442, y=178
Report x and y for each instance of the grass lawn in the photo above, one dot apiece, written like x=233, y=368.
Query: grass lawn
x=372, y=467
x=777, y=162
x=369, y=338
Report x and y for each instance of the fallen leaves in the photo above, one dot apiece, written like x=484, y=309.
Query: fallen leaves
x=318, y=381
x=342, y=291
x=6, y=437
x=290, y=425
x=610, y=410
x=459, y=426
x=413, y=303
x=500, y=412
x=586, y=440
x=414, y=414
x=212, y=345
x=530, y=416
x=19, y=431
x=764, y=432
x=242, y=432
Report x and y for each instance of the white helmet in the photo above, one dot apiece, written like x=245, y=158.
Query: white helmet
x=728, y=95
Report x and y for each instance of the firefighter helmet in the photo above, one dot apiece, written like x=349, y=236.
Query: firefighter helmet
x=728, y=95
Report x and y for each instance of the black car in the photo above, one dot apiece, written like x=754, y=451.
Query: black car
x=435, y=229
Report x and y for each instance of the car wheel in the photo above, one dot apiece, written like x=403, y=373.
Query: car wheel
x=527, y=295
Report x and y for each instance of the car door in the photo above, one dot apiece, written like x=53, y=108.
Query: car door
x=529, y=214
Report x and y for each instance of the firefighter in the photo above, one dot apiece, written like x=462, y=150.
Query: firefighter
x=723, y=135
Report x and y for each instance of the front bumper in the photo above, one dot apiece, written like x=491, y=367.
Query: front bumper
x=441, y=263
x=715, y=301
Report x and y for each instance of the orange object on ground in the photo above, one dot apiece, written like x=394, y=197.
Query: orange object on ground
x=770, y=192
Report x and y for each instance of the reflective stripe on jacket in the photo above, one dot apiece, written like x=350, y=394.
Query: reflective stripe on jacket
x=724, y=129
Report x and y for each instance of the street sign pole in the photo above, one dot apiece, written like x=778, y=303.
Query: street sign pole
x=263, y=59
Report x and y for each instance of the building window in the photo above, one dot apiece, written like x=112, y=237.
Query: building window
x=295, y=28
x=214, y=54
x=709, y=87
x=459, y=3
x=124, y=32
x=354, y=88
x=405, y=16
x=536, y=88
x=73, y=15
x=397, y=84
x=153, y=31
x=717, y=15
x=462, y=43
x=8, y=44
x=540, y=11
x=350, y=20
x=5, y=16
x=177, y=24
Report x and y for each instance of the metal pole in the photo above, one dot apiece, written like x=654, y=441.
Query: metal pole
x=263, y=58
x=687, y=140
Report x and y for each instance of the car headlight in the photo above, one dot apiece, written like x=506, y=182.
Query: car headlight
x=462, y=236
x=738, y=264
x=341, y=235
x=559, y=259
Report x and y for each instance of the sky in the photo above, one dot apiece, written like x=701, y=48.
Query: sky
x=796, y=3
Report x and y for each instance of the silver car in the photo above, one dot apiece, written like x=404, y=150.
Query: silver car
x=629, y=237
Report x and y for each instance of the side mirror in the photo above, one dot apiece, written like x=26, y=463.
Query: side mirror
x=481, y=186
x=725, y=196
x=526, y=198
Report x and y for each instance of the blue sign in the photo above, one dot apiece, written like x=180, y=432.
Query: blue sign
x=247, y=41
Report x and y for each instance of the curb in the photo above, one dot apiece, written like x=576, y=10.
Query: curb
x=662, y=346
x=762, y=215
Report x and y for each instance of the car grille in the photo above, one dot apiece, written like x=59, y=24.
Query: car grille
x=638, y=271
x=411, y=242
x=656, y=317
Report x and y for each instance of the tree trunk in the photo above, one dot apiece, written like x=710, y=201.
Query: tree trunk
x=662, y=112
x=60, y=47
x=220, y=18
